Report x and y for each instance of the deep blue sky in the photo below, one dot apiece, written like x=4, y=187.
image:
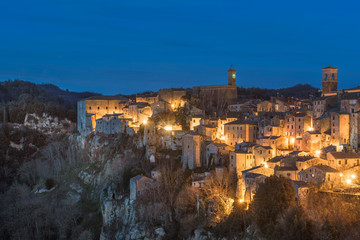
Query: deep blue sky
x=130, y=46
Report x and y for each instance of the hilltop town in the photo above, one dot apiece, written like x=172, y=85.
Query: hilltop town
x=311, y=142
x=207, y=162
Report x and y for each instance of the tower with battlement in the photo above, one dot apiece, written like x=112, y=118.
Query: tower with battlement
x=329, y=80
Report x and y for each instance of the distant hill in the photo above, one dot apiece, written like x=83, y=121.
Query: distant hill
x=21, y=97
x=301, y=91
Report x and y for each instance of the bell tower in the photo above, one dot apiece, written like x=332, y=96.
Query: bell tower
x=231, y=76
x=329, y=80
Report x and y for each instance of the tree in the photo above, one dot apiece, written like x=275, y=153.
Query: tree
x=272, y=198
x=294, y=225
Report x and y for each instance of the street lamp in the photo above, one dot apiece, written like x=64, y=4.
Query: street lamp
x=168, y=128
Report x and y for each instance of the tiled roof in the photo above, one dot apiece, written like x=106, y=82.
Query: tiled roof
x=314, y=132
x=286, y=168
x=250, y=169
x=253, y=175
x=265, y=147
x=275, y=159
x=329, y=67
x=241, y=121
x=325, y=168
x=136, y=178
x=342, y=155
x=300, y=184
x=102, y=97
x=323, y=116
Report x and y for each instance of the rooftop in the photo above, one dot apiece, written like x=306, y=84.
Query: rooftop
x=342, y=155
x=286, y=168
x=329, y=67
x=103, y=97
x=241, y=122
x=325, y=168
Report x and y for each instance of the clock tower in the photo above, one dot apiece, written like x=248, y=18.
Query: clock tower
x=232, y=76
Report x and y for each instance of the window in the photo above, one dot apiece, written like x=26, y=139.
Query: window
x=333, y=76
x=115, y=107
x=90, y=108
x=98, y=107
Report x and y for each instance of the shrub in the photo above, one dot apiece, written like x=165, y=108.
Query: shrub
x=50, y=183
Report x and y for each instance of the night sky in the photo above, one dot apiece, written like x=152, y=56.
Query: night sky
x=132, y=46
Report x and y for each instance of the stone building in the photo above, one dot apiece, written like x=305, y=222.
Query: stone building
x=195, y=121
x=323, y=175
x=216, y=98
x=288, y=172
x=343, y=160
x=329, y=80
x=148, y=98
x=193, y=149
x=139, y=112
x=272, y=105
x=93, y=108
x=216, y=154
x=262, y=154
x=110, y=124
x=240, y=131
x=149, y=133
x=207, y=130
x=297, y=124
x=139, y=185
x=311, y=142
x=174, y=97
x=172, y=139
x=306, y=162
x=241, y=160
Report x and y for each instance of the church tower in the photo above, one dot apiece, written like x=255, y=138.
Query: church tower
x=232, y=76
x=329, y=80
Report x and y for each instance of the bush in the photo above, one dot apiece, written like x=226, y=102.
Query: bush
x=272, y=198
x=50, y=183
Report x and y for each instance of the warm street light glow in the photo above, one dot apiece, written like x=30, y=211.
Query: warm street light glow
x=311, y=129
x=292, y=140
x=353, y=176
x=317, y=153
x=172, y=106
x=145, y=122
x=265, y=165
x=222, y=138
x=168, y=128
x=241, y=200
x=341, y=174
x=348, y=181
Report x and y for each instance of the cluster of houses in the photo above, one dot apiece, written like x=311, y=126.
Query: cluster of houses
x=311, y=142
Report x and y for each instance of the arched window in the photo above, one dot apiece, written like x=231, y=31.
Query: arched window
x=326, y=77
x=333, y=76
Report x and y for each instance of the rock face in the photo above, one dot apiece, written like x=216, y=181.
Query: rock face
x=47, y=124
x=119, y=217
